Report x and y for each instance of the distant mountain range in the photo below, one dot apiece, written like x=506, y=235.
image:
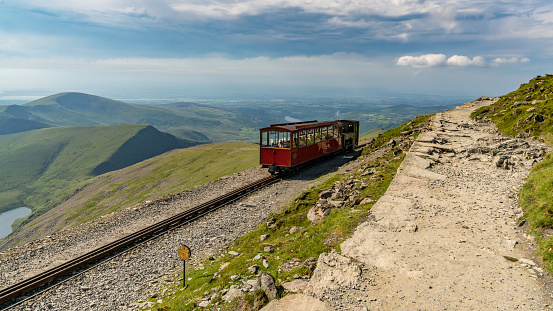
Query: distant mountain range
x=189, y=121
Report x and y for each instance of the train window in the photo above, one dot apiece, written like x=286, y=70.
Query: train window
x=324, y=132
x=310, y=137
x=303, y=138
x=275, y=139
x=284, y=140
x=268, y=138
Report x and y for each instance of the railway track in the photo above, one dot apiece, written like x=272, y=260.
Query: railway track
x=40, y=280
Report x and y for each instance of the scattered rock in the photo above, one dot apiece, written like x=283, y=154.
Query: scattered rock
x=310, y=263
x=224, y=266
x=253, y=269
x=295, y=229
x=233, y=253
x=264, y=237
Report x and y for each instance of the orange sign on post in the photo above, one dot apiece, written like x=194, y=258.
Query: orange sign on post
x=184, y=254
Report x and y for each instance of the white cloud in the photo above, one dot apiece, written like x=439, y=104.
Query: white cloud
x=440, y=60
x=428, y=60
x=463, y=61
x=512, y=60
x=219, y=9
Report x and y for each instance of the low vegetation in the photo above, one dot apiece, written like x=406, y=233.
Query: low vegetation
x=380, y=161
x=41, y=168
x=528, y=112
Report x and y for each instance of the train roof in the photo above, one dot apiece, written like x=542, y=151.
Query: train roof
x=296, y=126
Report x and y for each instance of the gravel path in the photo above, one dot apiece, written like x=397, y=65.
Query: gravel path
x=120, y=283
x=446, y=234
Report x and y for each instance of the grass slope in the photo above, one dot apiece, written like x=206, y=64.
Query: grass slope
x=165, y=174
x=527, y=112
x=184, y=120
x=169, y=173
x=42, y=167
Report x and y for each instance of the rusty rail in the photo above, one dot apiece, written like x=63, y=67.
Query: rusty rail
x=52, y=274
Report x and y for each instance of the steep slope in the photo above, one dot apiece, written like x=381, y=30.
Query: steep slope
x=166, y=174
x=40, y=168
x=184, y=120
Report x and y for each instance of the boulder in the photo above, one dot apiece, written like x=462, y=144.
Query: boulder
x=232, y=294
x=318, y=213
x=267, y=284
x=333, y=271
x=326, y=194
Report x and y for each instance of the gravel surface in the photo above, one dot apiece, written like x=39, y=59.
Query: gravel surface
x=118, y=284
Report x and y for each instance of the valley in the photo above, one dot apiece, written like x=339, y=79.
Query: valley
x=53, y=147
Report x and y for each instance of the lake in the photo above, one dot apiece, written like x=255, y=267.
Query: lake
x=7, y=218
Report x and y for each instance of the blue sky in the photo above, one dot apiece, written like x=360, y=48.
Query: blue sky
x=457, y=47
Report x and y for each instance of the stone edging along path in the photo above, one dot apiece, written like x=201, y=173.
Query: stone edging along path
x=445, y=236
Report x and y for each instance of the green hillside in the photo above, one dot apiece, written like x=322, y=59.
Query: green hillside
x=527, y=112
x=42, y=167
x=171, y=172
x=13, y=125
x=184, y=120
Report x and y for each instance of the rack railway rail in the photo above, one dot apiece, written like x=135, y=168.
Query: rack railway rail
x=41, y=279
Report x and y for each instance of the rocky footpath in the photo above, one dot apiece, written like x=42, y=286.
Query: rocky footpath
x=445, y=236
x=124, y=282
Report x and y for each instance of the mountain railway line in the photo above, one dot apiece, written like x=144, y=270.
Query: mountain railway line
x=70, y=269
x=42, y=279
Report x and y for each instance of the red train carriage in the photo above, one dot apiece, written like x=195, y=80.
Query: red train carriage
x=285, y=146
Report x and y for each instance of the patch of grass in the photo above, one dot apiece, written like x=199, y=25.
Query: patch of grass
x=291, y=250
x=536, y=199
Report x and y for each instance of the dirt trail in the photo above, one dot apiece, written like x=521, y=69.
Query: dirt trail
x=446, y=234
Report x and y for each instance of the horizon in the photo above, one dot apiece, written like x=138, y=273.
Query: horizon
x=468, y=48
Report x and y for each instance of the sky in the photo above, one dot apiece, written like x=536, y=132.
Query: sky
x=218, y=47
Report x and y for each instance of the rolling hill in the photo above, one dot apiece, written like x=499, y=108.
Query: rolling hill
x=184, y=120
x=40, y=168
